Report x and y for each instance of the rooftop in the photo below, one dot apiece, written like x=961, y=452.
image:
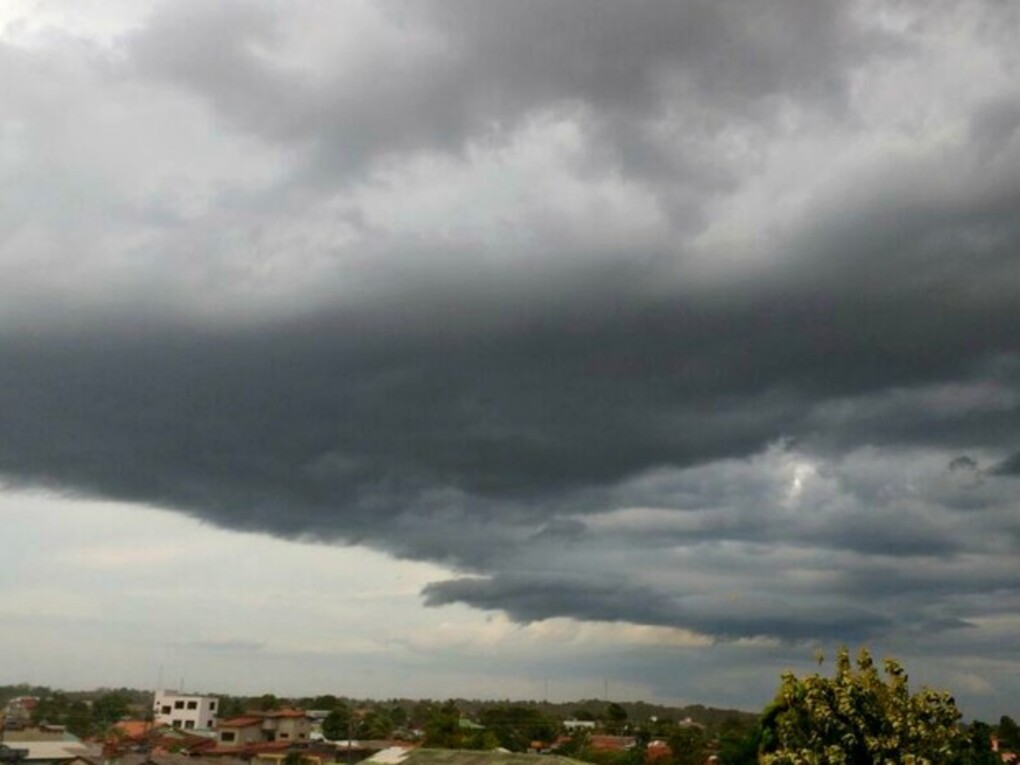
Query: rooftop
x=404, y=756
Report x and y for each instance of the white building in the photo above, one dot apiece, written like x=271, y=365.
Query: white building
x=573, y=725
x=184, y=711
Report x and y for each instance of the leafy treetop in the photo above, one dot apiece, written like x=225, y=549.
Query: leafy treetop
x=858, y=718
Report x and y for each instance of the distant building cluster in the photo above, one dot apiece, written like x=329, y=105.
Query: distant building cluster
x=185, y=729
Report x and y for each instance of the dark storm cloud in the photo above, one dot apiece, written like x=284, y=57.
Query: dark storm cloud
x=776, y=393
x=1009, y=466
x=536, y=598
x=469, y=71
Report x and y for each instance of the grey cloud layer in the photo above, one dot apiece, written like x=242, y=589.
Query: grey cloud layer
x=676, y=314
x=405, y=76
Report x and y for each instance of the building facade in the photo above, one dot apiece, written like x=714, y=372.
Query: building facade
x=185, y=711
x=292, y=725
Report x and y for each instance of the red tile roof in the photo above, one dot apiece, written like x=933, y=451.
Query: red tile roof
x=611, y=743
x=240, y=722
x=657, y=750
x=135, y=729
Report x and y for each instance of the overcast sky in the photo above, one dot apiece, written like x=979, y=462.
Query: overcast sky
x=492, y=348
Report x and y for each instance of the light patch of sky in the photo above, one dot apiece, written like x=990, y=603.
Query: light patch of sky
x=800, y=473
x=488, y=197
x=109, y=594
x=165, y=588
x=97, y=20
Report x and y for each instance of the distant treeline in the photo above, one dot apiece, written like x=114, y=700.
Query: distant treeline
x=585, y=709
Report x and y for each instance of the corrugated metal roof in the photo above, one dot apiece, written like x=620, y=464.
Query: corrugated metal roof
x=54, y=750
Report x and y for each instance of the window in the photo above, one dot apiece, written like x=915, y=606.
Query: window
x=284, y=735
x=227, y=735
x=212, y=706
x=178, y=705
x=192, y=705
x=189, y=724
x=166, y=710
x=176, y=723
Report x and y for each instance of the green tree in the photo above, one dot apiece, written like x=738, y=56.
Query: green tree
x=59, y=709
x=328, y=702
x=110, y=708
x=738, y=742
x=231, y=706
x=51, y=709
x=79, y=719
x=977, y=746
x=1008, y=733
x=376, y=724
x=689, y=745
x=481, y=740
x=268, y=702
x=515, y=727
x=859, y=718
x=399, y=715
x=443, y=731
x=616, y=718
x=336, y=725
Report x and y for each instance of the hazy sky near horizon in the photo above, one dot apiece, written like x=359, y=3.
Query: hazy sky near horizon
x=509, y=348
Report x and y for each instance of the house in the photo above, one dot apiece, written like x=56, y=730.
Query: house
x=17, y=713
x=41, y=732
x=184, y=711
x=284, y=725
x=239, y=731
x=308, y=756
x=137, y=736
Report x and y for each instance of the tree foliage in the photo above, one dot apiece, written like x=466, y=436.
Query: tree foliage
x=858, y=718
x=336, y=725
x=268, y=702
x=515, y=727
x=443, y=731
x=110, y=708
x=1009, y=733
x=376, y=724
x=977, y=746
x=60, y=709
x=737, y=741
x=689, y=745
x=616, y=718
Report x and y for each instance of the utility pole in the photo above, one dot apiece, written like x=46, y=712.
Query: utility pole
x=350, y=737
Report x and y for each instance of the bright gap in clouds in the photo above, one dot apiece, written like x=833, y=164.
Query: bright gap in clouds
x=94, y=20
x=144, y=589
x=151, y=596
